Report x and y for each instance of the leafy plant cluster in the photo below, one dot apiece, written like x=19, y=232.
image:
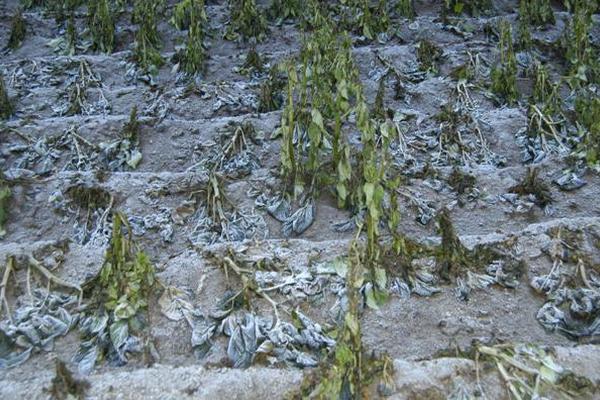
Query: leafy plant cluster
x=587, y=109
x=319, y=100
x=101, y=25
x=579, y=52
x=147, y=39
x=18, y=30
x=367, y=18
x=504, y=74
x=406, y=8
x=246, y=21
x=350, y=369
x=191, y=15
x=536, y=13
x=118, y=301
x=281, y=10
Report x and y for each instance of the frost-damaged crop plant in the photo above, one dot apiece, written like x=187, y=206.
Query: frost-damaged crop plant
x=6, y=107
x=504, y=74
x=191, y=14
x=536, y=12
x=406, y=8
x=370, y=20
x=147, y=39
x=587, y=108
x=471, y=7
x=281, y=10
x=350, y=370
x=5, y=194
x=579, y=52
x=101, y=25
x=318, y=103
x=18, y=30
x=117, y=302
x=246, y=20
x=428, y=55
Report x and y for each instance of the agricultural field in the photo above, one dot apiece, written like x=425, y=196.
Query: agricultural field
x=285, y=199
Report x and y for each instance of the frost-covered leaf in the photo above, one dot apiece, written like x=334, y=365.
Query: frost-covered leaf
x=174, y=304
x=203, y=330
x=243, y=341
x=86, y=357
x=14, y=359
x=279, y=209
x=119, y=331
x=300, y=221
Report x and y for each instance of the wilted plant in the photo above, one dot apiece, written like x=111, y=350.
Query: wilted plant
x=118, y=301
x=533, y=185
x=452, y=256
x=191, y=14
x=428, y=55
x=18, y=30
x=504, y=74
x=147, y=39
x=101, y=25
x=350, y=369
x=318, y=102
x=6, y=107
x=246, y=20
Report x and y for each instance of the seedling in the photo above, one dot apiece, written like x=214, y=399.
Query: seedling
x=246, y=21
x=18, y=30
x=101, y=25
x=504, y=74
x=532, y=184
x=147, y=39
x=6, y=107
x=118, y=301
x=428, y=55
x=406, y=9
